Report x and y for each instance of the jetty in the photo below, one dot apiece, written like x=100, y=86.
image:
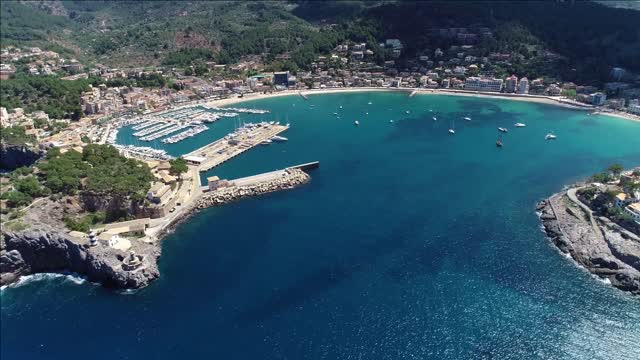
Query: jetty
x=232, y=145
x=413, y=93
x=222, y=191
x=303, y=95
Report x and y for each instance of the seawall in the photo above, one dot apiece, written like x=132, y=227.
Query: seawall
x=291, y=178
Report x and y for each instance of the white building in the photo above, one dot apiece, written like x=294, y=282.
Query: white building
x=511, y=84
x=523, y=86
x=634, y=107
x=474, y=83
x=634, y=211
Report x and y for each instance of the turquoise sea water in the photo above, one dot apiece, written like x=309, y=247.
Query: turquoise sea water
x=408, y=243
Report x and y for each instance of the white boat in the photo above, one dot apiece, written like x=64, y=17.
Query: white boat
x=391, y=121
x=501, y=129
x=407, y=111
x=369, y=103
x=279, y=138
x=467, y=118
x=336, y=114
x=266, y=142
x=434, y=118
x=451, y=131
x=519, y=125
x=357, y=122
x=366, y=113
x=340, y=106
x=550, y=136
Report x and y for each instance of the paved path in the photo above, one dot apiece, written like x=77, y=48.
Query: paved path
x=571, y=193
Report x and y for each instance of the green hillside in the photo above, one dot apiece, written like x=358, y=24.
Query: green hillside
x=587, y=37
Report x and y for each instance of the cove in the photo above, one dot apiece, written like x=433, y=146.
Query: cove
x=408, y=242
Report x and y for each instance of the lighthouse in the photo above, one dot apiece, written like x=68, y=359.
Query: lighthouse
x=93, y=239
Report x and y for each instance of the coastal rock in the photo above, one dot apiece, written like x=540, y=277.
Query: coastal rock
x=14, y=156
x=48, y=250
x=600, y=246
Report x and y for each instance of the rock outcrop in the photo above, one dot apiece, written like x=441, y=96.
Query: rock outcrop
x=47, y=250
x=15, y=156
x=596, y=244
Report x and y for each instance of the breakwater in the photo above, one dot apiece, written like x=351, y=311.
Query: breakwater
x=290, y=179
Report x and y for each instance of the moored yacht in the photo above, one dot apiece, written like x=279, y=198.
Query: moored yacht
x=279, y=138
x=550, y=136
x=467, y=118
x=357, y=122
x=520, y=125
x=501, y=129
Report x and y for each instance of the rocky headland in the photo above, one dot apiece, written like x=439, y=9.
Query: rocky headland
x=595, y=243
x=46, y=246
x=45, y=249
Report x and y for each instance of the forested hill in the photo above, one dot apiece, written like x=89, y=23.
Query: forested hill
x=589, y=37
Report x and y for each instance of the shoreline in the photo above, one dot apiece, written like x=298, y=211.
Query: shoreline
x=540, y=99
x=48, y=249
x=594, y=243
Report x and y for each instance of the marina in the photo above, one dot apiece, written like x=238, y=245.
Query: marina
x=152, y=129
x=185, y=134
x=164, y=132
x=142, y=152
x=234, y=144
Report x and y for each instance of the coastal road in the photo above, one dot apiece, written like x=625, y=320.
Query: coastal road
x=188, y=193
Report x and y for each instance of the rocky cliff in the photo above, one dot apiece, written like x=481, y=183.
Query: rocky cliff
x=15, y=156
x=595, y=244
x=47, y=250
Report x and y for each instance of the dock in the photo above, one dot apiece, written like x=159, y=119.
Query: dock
x=227, y=148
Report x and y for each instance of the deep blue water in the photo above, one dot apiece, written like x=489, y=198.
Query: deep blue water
x=408, y=243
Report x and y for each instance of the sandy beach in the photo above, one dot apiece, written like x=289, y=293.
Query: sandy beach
x=557, y=101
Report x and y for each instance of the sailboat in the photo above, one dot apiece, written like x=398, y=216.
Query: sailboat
x=452, y=130
x=357, y=122
x=499, y=142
